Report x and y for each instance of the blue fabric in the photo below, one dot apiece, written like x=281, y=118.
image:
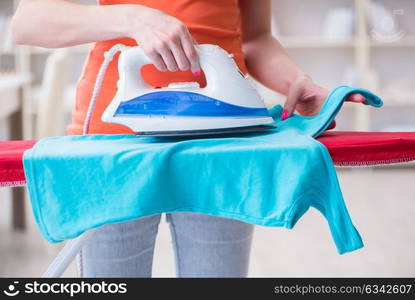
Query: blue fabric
x=269, y=178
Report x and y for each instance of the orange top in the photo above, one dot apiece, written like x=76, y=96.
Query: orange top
x=209, y=22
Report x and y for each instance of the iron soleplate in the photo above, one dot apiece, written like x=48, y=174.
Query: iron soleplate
x=207, y=131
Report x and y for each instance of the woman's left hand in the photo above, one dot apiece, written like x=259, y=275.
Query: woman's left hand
x=307, y=98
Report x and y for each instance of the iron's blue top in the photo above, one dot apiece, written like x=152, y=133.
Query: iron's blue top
x=268, y=178
x=184, y=104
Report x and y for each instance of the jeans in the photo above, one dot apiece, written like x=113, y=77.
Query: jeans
x=204, y=246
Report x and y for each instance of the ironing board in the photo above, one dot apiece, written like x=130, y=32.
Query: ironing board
x=347, y=148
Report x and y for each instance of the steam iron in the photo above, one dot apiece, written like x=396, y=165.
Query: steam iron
x=228, y=103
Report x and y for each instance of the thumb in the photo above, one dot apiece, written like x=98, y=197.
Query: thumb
x=358, y=98
x=291, y=102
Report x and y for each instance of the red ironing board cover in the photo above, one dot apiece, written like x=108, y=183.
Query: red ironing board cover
x=358, y=148
x=347, y=148
x=11, y=165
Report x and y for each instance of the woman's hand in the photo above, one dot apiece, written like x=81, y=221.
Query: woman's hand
x=307, y=98
x=165, y=40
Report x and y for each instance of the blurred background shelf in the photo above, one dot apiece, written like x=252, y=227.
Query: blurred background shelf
x=13, y=80
x=406, y=41
x=314, y=42
x=81, y=49
x=403, y=102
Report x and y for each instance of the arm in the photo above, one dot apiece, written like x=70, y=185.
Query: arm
x=266, y=59
x=61, y=23
x=269, y=63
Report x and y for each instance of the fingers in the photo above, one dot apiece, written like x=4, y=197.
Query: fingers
x=168, y=58
x=358, y=98
x=173, y=50
x=292, y=98
x=184, y=51
x=189, y=47
x=180, y=57
x=157, y=60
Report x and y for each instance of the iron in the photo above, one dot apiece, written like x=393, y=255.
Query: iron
x=228, y=103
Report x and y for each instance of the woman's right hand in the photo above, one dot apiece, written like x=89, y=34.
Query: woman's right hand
x=165, y=40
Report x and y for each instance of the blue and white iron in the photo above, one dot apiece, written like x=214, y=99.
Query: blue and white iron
x=228, y=103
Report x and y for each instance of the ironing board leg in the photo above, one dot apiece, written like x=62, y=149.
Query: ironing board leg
x=67, y=255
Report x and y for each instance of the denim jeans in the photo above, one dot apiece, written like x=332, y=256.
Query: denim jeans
x=204, y=246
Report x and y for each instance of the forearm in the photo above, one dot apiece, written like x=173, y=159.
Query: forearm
x=59, y=23
x=268, y=62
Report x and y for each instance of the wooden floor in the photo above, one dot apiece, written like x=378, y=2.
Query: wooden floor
x=381, y=203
